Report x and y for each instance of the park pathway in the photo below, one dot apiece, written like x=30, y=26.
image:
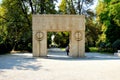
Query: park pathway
x=95, y=66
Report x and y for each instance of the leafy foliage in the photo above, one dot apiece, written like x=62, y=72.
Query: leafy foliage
x=116, y=45
x=82, y=7
x=15, y=26
x=109, y=19
x=62, y=39
x=75, y=6
x=16, y=18
x=15, y=22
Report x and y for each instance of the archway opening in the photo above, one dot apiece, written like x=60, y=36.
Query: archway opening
x=57, y=43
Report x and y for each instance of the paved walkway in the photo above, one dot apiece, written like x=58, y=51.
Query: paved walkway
x=94, y=66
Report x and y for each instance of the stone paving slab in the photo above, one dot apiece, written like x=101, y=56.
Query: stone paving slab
x=24, y=67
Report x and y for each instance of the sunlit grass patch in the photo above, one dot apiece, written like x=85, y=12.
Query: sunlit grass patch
x=93, y=49
x=63, y=49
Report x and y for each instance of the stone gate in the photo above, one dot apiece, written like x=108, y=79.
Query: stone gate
x=75, y=24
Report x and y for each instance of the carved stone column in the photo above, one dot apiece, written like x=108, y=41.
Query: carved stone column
x=39, y=44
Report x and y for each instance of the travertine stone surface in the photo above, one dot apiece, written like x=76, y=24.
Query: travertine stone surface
x=41, y=24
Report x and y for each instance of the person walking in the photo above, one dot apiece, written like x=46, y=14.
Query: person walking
x=67, y=50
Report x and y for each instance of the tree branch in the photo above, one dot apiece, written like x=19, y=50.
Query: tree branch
x=31, y=5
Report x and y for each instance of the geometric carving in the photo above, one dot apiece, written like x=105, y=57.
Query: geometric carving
x=39, y=35
x=78, y=35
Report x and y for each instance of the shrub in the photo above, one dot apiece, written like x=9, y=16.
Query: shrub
x=5, y=48
x=116, y=45
x=93, y=49
x=87, y=49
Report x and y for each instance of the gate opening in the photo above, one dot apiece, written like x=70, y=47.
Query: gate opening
x=57, y=43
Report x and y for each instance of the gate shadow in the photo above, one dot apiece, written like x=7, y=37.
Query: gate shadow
x=19, y=62
x=88, y=56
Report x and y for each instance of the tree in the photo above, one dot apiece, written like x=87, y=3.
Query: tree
x=41, y=6
x=75, y=6
x=63, y=7
x=3, y=33
x=62, y=39
x=16, y=21
x=82, y=7
x=109, y=18
x=16, y=18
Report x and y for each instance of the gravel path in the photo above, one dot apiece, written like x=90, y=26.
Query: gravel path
x=94, y=66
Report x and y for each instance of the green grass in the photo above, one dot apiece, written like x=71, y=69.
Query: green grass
x=63, y=49
x=93, y=49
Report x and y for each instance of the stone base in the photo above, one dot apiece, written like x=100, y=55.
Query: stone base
x=117, y=54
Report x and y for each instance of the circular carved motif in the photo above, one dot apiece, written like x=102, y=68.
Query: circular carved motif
x=78, y=35
x=39, y=35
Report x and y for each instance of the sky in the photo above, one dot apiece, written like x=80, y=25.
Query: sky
x=0, y=1
x=95, y=4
